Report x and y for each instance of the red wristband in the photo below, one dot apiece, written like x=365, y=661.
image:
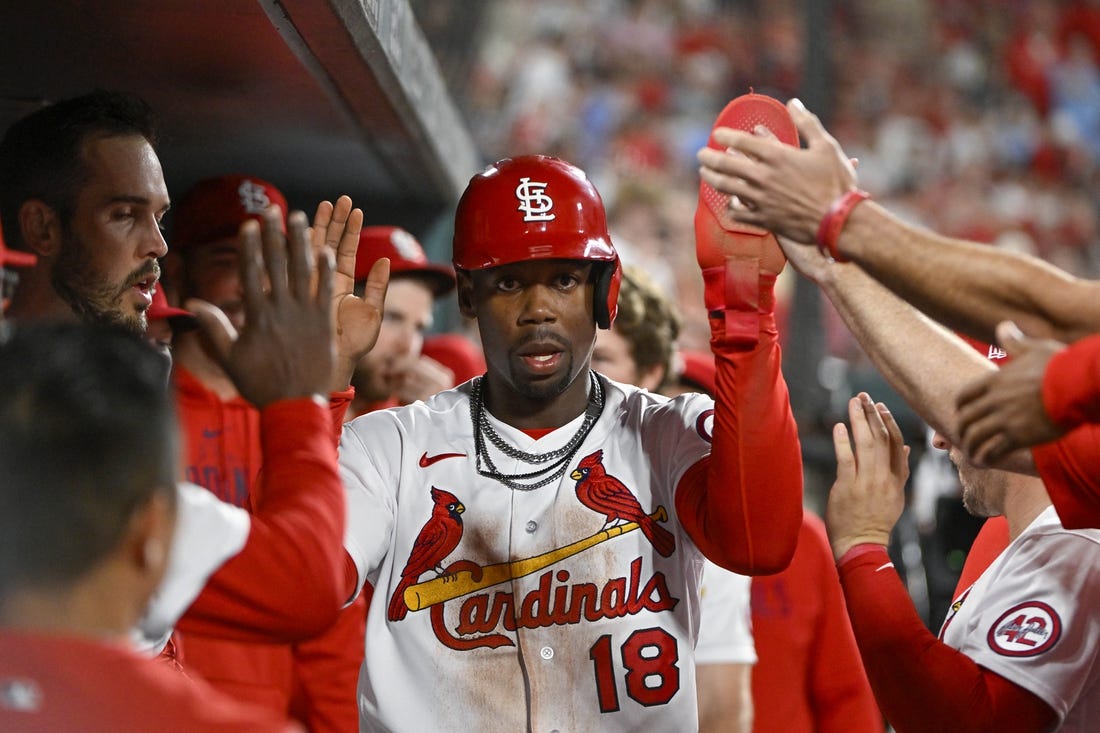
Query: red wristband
x=828, y=231
x=859, y=550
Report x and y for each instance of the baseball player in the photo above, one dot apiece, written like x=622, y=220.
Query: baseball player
x=108, y=221
x=395, y=371
x=990, y=668
x=1017, y=649
x=535, y=536
x=86, y=538
x=809, y=677
x=224, y=453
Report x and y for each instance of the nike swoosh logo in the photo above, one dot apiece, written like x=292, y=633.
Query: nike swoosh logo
x=426, y=460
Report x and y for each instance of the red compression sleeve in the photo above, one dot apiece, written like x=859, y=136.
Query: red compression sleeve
x=742, y=505
x=1071, y=384
x=326, y=672
x=287, y=582
x=839, y=691
x=1070, y=469
x=920, y=683
x=338, y=403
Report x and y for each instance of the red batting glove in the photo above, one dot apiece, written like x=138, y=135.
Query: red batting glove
x=739, y=262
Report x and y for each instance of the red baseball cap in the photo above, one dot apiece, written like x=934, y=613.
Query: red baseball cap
x=457, y=353
x=178, y=318
x=406, y=258
x=13, y=257
x=215, y=208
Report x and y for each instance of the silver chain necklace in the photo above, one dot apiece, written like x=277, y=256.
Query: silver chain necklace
x=560, y=457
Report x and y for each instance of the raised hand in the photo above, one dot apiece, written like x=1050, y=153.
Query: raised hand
x=285, y=350
x=784, y=189
x=872, y=467
x=1004, y=411
x=355, y=319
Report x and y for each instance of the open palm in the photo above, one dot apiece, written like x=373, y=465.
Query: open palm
x=355, y=319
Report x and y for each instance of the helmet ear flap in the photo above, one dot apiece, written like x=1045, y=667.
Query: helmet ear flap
x=606, y=297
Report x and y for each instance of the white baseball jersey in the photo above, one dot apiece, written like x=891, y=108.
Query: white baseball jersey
x=208, y=532
x=725, y=618
x=570, y=628
x=1033, y=617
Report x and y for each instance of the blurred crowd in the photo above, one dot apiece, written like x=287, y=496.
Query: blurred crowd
x=976, y=119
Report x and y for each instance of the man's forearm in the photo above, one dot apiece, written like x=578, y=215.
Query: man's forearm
x=924, y=362
x=969, y=287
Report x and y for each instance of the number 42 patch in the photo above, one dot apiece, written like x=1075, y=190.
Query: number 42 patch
x=1025, y=630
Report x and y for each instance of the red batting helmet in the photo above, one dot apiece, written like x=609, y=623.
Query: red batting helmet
x=535, y=207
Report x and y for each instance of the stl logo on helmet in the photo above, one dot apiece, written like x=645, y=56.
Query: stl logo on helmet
x=534, y=202
x=254, y=199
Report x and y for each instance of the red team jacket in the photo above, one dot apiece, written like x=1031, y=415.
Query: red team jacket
x=808, y=676
x=53, y=683
x=223, y=454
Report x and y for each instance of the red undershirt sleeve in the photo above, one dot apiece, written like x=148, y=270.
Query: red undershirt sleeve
x=1070, y=469
x=1071, y=384
x=338, y=403
x=920, y=683
x=840, y=694
x=742, y=505
x=287, y=583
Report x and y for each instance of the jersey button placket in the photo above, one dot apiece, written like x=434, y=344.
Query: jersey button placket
x=531, y=526
x=547, y=653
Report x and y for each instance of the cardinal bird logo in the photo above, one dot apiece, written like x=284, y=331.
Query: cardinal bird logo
x=438, y=538
x=608, y=495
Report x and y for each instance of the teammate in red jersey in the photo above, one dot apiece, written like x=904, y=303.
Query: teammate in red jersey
x=88, y=538
x=223, y=447
x=809, y=676
x=395, y=372
x=82, y=188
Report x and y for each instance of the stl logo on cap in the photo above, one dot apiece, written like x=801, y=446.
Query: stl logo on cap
x=407, y=246
x=214, y=208
x=534, y=202
x=254, y=198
